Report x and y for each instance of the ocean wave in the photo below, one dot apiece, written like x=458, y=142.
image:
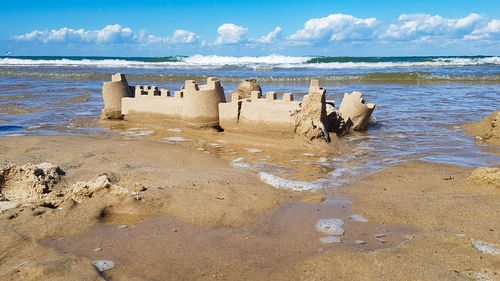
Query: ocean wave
x=412, y=77
x=253, y=62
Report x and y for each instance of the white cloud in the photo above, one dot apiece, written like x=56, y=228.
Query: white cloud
x=230, y=34
x=489, y=31
x=115, y=34
x=184, y=36
x=419, y=26
x=269, y=38
x=339, y=30
x=179, y=36
x=109, y=34
x=336, y=27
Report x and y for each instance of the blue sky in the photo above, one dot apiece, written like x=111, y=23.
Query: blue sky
x=237, y=28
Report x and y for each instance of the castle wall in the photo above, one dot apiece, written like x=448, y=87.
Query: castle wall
x=259, y=115
x=197, y=105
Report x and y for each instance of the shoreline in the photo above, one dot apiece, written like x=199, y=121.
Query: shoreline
x=182, y=197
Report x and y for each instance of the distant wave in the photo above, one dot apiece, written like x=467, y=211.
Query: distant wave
x=252, y=62
x=412, y=77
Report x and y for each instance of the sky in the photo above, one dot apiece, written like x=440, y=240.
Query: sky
x=250, y=28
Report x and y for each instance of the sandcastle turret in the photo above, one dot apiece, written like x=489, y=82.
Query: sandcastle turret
x=112, y=93
x=353, y=107
x=201, y=103
x=311, y=121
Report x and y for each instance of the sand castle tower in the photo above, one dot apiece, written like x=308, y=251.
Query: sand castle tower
x=353, y=107
x=112, y=93
x=201, y=103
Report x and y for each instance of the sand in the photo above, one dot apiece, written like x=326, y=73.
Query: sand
x=444, y=204
x=161, y=211
x=190, y=185
x=487, y=130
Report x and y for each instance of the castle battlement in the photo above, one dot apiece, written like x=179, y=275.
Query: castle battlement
x=256, y=96
x=150, y=91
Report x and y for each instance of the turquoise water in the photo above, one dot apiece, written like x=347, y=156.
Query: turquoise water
x=420, y=101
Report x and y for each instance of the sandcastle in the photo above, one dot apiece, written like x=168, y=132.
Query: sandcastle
x=205, y=106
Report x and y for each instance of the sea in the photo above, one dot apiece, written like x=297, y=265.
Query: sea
x=421, y=101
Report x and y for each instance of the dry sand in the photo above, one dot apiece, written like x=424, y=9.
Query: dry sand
x=191, y=216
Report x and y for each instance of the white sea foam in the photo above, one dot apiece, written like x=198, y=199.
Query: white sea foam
x=261, y=62
x=228, y=60
x=140, y=133
x=175, y=130
x=238, y=159
x=241, y=165
x=282, y=183
x=484, y=247
x=175, y=139
x=330, y=226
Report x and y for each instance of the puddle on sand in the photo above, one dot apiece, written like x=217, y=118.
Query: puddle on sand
x=164, y=246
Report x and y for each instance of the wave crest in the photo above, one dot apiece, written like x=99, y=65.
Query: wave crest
x=253, y=62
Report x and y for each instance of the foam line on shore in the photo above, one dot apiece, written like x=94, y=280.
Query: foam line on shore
x=282, y=183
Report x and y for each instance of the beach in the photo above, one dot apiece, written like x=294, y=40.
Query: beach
x=414, y=197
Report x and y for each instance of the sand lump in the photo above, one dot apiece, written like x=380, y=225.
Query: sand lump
x=246, y=87
x=486, y=175
x=28, y=183
x=487, y=130
x=36, y=185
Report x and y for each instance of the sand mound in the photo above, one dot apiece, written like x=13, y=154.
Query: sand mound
x=82, y=191
x=486, y=175
x=487, y=130
x=35, y=185
x=28, y=183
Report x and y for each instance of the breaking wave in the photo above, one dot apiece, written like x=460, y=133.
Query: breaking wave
x=251, y=62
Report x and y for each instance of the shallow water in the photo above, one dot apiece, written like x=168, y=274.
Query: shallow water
x=420, y=104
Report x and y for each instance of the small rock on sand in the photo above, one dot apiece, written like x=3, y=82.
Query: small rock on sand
x=103, y=265
x=379, y=235
x=360, y=242
x=97, y=249
x=330, y=226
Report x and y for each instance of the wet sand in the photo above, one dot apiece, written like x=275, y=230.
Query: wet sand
x=199, y=219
